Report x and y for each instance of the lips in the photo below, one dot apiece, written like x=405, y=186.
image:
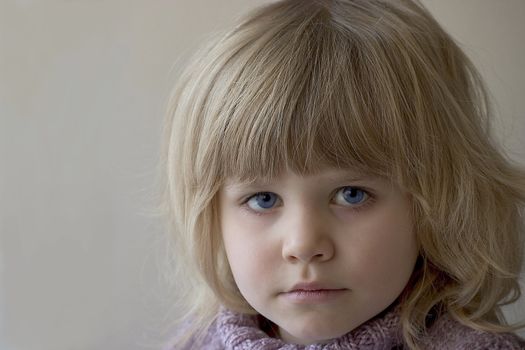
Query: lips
x=313, y=293
x=312, y=286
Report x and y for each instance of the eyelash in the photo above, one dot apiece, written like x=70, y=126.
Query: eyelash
x=368, y=201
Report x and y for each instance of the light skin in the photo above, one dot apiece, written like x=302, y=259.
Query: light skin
x=348, y=233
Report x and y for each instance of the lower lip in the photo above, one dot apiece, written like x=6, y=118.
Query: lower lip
x=313, y=296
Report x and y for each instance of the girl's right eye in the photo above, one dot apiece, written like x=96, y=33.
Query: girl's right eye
x=262, y=201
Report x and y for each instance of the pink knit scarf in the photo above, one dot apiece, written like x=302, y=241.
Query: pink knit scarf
x=242, y=332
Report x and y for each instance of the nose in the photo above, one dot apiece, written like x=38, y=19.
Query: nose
x=307, y=238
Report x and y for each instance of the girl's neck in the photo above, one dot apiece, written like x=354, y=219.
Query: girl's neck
x=268, y=327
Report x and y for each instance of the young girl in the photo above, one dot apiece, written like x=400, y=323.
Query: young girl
x=332, y=184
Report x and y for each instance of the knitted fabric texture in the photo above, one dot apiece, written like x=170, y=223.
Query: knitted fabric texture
x=234, y=331
x=241, y=332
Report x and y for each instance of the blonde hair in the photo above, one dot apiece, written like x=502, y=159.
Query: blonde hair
x=378, y=85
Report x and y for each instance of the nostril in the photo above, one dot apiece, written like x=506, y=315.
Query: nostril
x=306, y=249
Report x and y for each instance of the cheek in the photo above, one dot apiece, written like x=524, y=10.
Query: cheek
x=386, y=251
x=250, y=251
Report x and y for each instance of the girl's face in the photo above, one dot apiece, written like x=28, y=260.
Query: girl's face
x=318, y=255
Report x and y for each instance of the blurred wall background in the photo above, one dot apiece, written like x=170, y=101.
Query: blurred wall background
x=83, y=87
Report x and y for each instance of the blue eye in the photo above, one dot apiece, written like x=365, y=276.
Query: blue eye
x=262, y=201
x=350, y=196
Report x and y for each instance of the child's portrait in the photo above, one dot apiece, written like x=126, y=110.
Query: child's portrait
x=262, y=174
x=333, y=183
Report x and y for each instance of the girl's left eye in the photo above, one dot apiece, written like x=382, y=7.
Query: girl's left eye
x=262, y=201
x=350, y=196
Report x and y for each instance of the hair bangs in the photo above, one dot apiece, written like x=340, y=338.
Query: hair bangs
x=302, y=115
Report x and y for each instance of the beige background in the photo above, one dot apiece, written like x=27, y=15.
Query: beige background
x=83, y=85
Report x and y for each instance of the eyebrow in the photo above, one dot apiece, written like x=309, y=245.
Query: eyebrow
x=241, y=185
x=343, y=176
